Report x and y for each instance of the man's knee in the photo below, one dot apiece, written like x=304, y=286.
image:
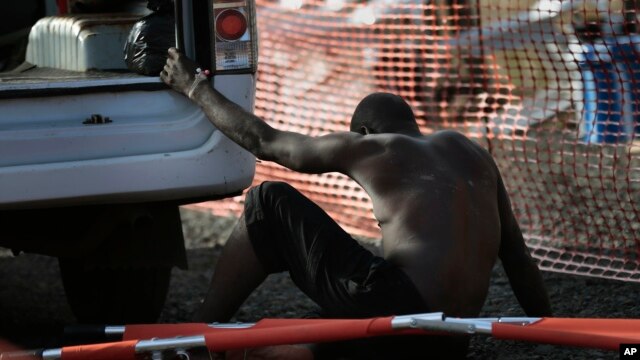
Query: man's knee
x=276, y=187
x=271, y=193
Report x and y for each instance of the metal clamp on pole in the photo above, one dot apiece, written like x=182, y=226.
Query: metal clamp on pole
x=410, y=321
x=452, y=327
x=519, y=320
x=439, y=322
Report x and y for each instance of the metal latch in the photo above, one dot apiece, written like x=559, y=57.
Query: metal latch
x=97, y=119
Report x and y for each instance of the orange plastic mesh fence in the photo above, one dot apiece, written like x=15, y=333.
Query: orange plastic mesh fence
x=550, y=87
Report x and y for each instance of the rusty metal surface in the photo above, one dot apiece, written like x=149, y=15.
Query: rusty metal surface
x=36, y=74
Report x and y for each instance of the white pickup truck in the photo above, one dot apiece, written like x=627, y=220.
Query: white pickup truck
x=95, y=159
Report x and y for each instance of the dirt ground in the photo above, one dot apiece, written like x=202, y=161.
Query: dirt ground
x=33, y=307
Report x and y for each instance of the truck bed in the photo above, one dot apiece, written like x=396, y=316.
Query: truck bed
x=29, y=80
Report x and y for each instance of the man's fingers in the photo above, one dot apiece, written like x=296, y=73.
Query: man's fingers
x=167, y=68
x=164, y=76
x=173, y=53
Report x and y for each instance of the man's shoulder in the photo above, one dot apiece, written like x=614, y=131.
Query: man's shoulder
x=451, y=142
x=456, y=139
x=449, y=135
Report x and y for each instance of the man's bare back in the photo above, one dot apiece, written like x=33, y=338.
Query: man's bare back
x=435, y=200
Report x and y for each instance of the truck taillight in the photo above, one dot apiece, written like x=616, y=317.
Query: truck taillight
x=235, y=38
x=231, y=25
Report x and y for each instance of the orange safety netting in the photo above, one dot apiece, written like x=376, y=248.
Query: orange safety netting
x=550, y=87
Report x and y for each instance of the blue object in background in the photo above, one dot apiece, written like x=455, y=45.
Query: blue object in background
x=632, y=52
x=611, y=77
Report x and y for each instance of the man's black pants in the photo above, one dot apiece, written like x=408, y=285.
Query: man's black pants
x=291, y=233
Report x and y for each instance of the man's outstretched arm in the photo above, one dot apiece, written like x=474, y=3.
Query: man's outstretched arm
x=524, y=275
x=334, y=152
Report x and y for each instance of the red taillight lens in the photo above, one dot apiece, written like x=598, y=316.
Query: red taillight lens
x=231, y=24
x=235, y=36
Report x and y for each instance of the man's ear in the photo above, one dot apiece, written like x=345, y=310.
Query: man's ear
x=364, y=130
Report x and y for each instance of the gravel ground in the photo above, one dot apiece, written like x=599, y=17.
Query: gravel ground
x=33, y=307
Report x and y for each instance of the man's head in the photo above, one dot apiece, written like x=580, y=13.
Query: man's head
x=384, y=113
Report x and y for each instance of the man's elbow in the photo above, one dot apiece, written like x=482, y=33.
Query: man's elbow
x=259, y=153
x=265, y=152
x=263, y=149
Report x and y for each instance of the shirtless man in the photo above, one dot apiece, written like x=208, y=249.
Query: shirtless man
x=442, y=207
